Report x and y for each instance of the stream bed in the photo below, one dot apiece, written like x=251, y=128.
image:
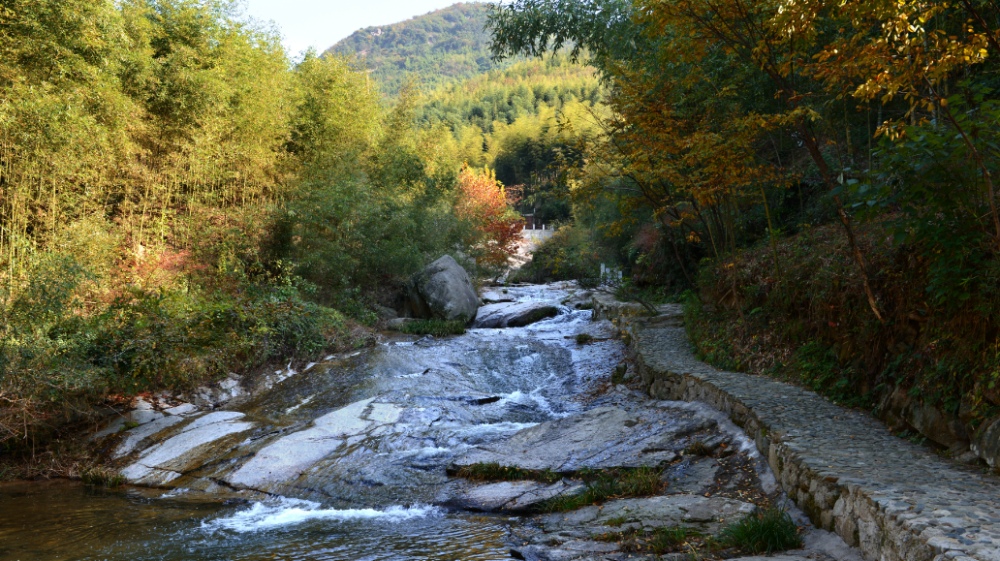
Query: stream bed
x=350, y=458
x=343, y=461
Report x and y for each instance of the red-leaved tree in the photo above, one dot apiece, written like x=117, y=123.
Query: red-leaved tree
x=487, y=207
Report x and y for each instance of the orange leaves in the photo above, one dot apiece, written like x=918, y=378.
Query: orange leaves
x=486, y=205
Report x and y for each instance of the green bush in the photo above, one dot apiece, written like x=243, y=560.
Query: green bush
x=59, y=353
x=572, y=253
x=605, y=485
x=763, y=531
x=435, y=327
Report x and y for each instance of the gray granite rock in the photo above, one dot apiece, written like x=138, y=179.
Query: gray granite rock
x=513, y=315
x=510, y=496
x=601, y=438
x=442, y=290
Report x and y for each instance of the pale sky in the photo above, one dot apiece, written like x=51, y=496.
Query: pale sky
x=321, y=23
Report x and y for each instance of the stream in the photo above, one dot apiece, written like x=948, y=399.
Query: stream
x=345, y=460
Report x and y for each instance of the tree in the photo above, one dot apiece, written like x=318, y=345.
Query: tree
x=485, y=205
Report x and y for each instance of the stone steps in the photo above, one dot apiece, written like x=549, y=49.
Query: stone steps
x=892, y=499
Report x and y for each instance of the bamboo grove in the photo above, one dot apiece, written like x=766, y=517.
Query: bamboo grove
x=179, y=200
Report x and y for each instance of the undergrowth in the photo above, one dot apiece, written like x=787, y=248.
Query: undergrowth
x=813, y=325
x=606, y=485
x=665, y=539
x=435, y=327
x=493, y=471
x=601, y=485
x=766, y=530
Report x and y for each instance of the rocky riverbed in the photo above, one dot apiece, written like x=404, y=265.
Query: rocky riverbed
x=390, y=436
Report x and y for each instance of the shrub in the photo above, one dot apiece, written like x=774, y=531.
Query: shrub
x=763, y=531
x=611, y=484
x=102, y=477
x=493, y=471
x=572, y=253
x=435, y=327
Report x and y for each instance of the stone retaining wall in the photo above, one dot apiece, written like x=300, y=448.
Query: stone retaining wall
x=891, y=499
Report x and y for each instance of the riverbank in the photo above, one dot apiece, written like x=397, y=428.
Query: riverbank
x=892, y=499
x=382, y=442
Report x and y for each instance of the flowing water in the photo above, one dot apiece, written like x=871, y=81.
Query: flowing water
x=344, y=461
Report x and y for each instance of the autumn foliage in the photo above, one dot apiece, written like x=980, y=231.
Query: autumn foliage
x=486, y=205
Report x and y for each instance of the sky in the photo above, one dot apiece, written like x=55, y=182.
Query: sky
x=321, y=23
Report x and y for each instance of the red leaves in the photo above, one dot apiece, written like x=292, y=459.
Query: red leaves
x=485, y=203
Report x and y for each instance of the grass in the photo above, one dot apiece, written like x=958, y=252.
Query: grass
x=102, y=477
x=493, y=471
x=616, y=521
x=602, y=485
x=435, y=327
x=606, y=485
x=618, y=376
x=659, y=541
x=129, y=425
x=763, y=531
x=584, y=338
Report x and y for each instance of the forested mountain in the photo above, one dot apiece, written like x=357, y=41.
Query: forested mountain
x=505, y=95
x=434, y=49
x=521, y=122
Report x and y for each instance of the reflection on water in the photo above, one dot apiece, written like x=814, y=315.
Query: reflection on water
x=63, y=521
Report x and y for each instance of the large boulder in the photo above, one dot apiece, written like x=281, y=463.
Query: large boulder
x=442, y=291
x=514, y=315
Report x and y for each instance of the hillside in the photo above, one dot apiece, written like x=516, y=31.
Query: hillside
x=505, y=95
x=434, y=49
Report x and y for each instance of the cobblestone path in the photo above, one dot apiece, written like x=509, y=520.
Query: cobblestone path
x=892, y=499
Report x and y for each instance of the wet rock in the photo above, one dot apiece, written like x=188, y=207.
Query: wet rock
x=513, y=315
x=511, y=496
x=900, y=410
x=135, y=437
x=690, y=476
x=217, y=393
x=704, y=514
x=574, y=549
x=601, y=438
x=182, y=409
x=442, y=291
x=186, y=450
x=386, y=313
x=986, y=442
x=496, y=296
x=579, y=299
x=285, y=459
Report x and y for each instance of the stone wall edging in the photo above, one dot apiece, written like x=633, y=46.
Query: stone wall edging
x=836, y=505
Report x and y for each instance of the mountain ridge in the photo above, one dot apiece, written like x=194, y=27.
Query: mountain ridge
x=438, y=48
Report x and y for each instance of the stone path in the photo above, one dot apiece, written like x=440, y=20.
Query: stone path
x=892, y=499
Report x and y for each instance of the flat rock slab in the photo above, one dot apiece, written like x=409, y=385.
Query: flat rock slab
x=602, y=438
x=511, y=496
x=691, y=476
x=513, y=315
x=706, y=514
x=285, y=459
x=192, y=447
